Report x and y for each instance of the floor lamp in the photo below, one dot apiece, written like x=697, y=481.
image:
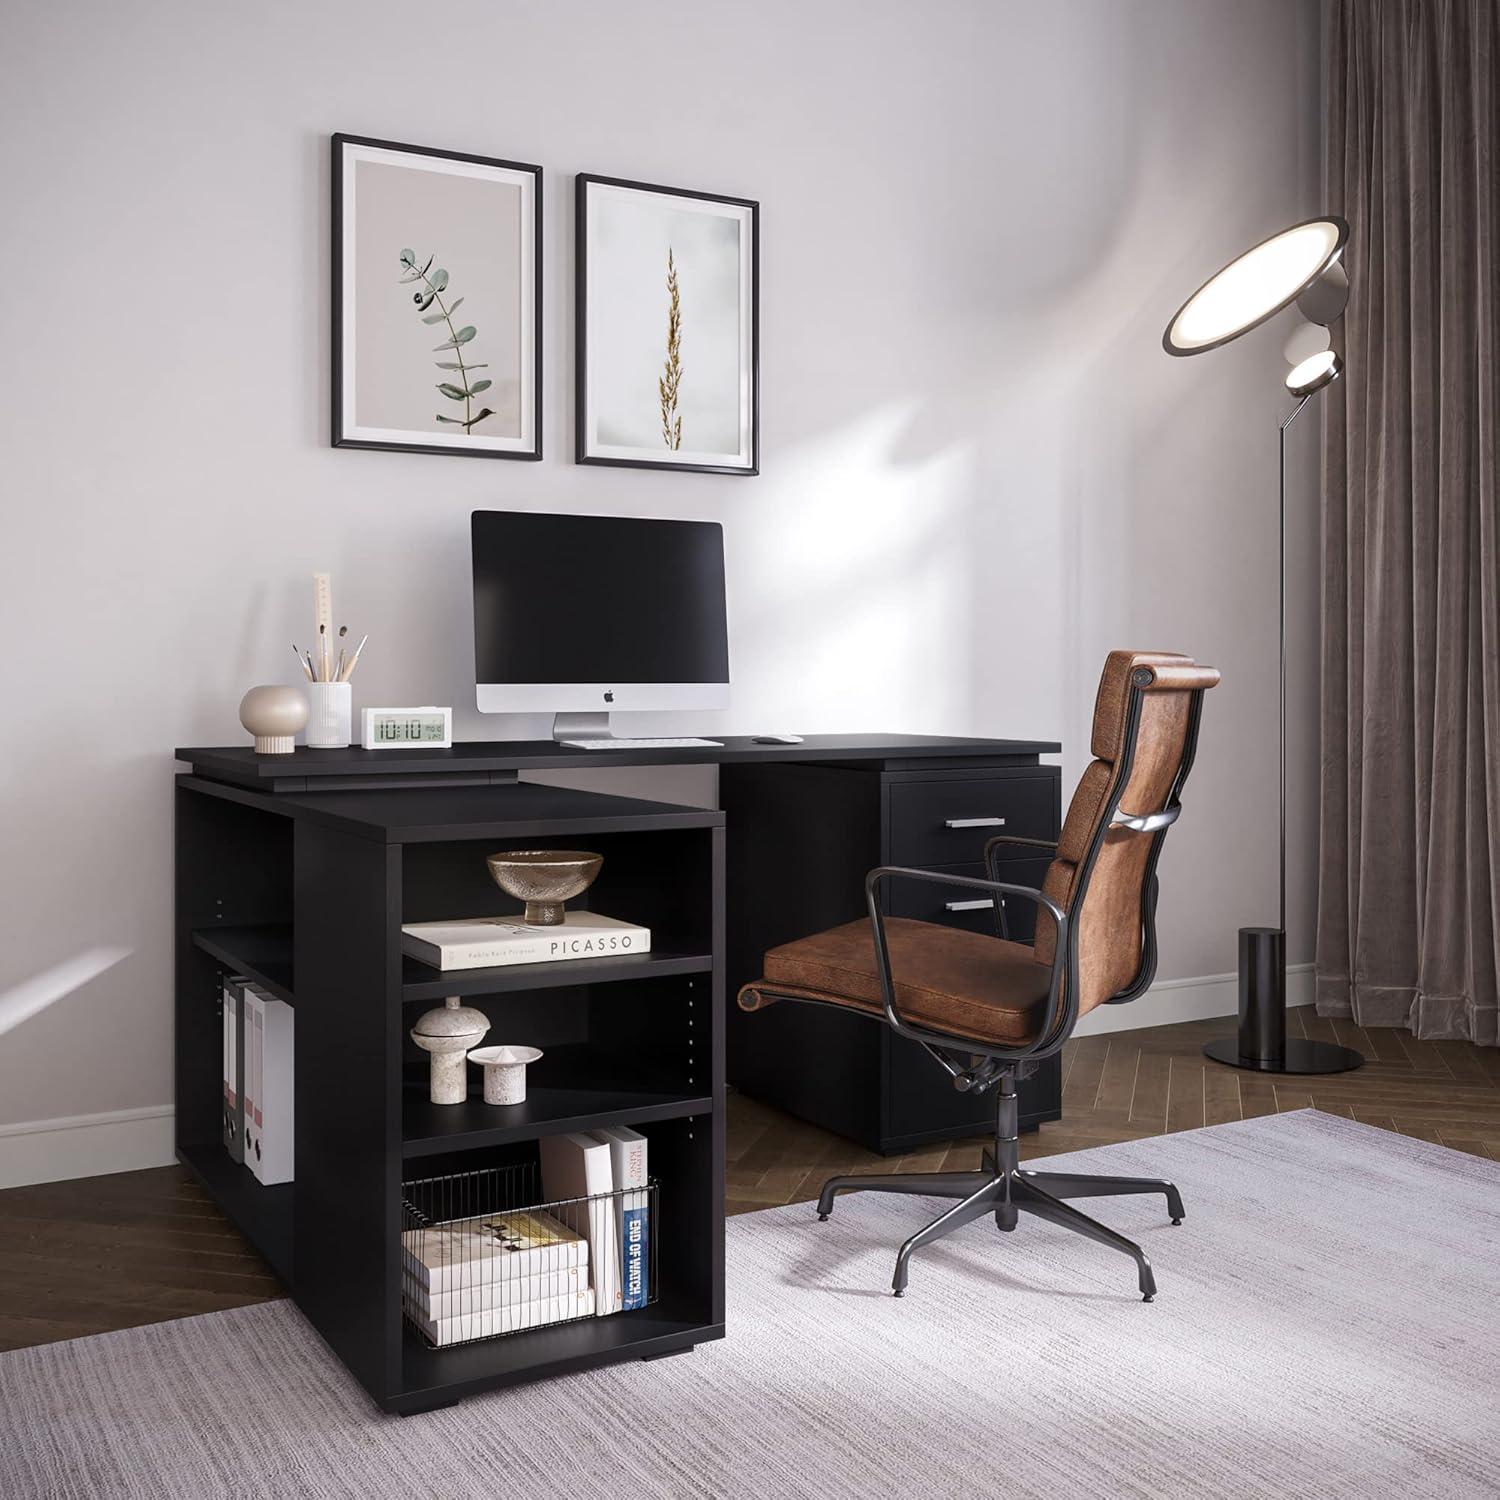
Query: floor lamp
x=1302, y=265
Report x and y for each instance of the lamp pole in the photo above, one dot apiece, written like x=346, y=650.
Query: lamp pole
x=1291, y=417
x=1261, y=1042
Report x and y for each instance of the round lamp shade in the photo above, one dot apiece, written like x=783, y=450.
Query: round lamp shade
x=1304, y=341
x=1255, y=286
x=1314, y=373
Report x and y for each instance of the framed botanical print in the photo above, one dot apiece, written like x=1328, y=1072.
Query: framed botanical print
x=437, y=301
x=668, y=364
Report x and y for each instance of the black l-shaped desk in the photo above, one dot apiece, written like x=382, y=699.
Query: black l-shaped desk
x=297, y=871
x=803, y=825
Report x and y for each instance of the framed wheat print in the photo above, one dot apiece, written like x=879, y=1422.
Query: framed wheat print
x=668, y=287
x=437, y=297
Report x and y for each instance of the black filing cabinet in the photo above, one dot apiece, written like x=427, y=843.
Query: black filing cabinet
x=804, y=837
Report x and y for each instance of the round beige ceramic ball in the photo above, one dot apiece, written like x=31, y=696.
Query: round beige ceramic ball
x=274, y=714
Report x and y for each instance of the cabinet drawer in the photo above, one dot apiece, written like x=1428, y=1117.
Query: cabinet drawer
x=953, y=906
x=949, y=822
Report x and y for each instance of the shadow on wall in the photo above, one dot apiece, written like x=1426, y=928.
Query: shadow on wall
x=22, y=1001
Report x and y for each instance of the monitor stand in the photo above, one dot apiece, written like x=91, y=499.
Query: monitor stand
x=585, y=726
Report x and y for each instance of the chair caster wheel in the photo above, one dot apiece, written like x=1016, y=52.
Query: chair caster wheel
x=1149, y=1297
x=1177, y=1221
x=822, y=1218
x=899, y=1292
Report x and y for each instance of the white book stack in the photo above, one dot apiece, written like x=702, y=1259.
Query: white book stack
x=501, y=1274
x=504, y=1289
x=514, y=1318
x=495, y=942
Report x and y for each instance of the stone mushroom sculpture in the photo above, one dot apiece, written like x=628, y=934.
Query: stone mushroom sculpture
x=447, y=1034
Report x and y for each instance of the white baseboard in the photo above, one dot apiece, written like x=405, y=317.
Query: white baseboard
x=122, y=1140
x=1172, y=1000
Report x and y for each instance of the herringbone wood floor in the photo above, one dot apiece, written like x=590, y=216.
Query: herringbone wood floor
x=99, y=1253
x=1137, y=1083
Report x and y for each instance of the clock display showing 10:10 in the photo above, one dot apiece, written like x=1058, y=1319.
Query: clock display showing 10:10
x=404, y=728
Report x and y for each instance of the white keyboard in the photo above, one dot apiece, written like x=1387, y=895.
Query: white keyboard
x=620, y=744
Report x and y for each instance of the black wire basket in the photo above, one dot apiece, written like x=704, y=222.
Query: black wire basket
x=483, y=1258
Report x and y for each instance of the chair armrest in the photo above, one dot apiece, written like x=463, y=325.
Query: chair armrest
x=1015, y=838
x=992, y=864
x=966, y=882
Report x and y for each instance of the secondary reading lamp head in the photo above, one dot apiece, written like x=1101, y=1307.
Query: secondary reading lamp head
x=1316, y=371
x=1304, y=341
x=1257, y=285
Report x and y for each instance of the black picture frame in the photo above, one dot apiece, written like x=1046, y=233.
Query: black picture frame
x=340, y=436
x=583, y=181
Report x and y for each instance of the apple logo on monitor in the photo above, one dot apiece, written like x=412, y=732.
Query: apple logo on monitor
x=609, y=695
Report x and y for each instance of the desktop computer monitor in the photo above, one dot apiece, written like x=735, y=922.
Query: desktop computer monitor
x=576, y=615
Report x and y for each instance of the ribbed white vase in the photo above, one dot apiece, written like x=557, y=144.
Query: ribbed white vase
x=330, y=708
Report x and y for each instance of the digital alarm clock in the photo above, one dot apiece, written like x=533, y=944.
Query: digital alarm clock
x=407, y=728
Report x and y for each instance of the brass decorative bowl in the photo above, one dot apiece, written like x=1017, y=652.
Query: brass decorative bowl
x=544, y=879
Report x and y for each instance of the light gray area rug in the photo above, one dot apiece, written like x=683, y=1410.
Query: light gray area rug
x=1328, y=1325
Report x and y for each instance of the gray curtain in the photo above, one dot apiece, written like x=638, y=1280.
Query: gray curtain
x=1409, y=879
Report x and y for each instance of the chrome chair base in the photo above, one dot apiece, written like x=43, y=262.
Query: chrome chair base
x=1006, y=1190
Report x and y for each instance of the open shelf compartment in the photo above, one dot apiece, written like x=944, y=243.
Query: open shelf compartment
x=686, y=1224
x=618, y=1054
x=655, y=879
x=485, y=1257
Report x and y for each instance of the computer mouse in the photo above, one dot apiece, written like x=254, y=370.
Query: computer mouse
x=778, y=739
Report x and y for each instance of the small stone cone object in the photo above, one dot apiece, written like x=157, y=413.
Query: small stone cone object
x=447, y=1034
x=504, y=1072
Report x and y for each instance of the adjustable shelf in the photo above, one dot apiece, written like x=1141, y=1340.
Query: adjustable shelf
x=421, y=981
x=305, y=895
x=588, y=1093
x=262, y=954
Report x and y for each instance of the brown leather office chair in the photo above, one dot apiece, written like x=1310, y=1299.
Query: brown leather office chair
x=989, y=1009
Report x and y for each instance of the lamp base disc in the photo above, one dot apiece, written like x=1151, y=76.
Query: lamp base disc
x=1302, y=1056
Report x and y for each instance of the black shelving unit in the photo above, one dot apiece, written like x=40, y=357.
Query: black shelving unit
x=306, y=894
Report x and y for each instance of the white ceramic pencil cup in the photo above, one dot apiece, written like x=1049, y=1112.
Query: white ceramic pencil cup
x=330, y=708
x=504, y=1072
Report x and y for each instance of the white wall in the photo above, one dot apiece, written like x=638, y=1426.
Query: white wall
x=980, y=472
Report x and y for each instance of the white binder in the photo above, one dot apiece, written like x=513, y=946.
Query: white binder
x=251, y=1002
x=233, y=1130
x=270, y=1149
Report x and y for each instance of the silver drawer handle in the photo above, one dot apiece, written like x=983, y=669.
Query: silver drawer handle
x=984, y=903
x=973, y=822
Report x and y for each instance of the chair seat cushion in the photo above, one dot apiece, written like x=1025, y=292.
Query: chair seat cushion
x=963, y=984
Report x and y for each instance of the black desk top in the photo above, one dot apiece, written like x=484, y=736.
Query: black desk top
x=438, y=813
x=239, y=763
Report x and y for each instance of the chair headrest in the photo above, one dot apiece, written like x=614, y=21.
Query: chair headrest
x=1158, y=671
